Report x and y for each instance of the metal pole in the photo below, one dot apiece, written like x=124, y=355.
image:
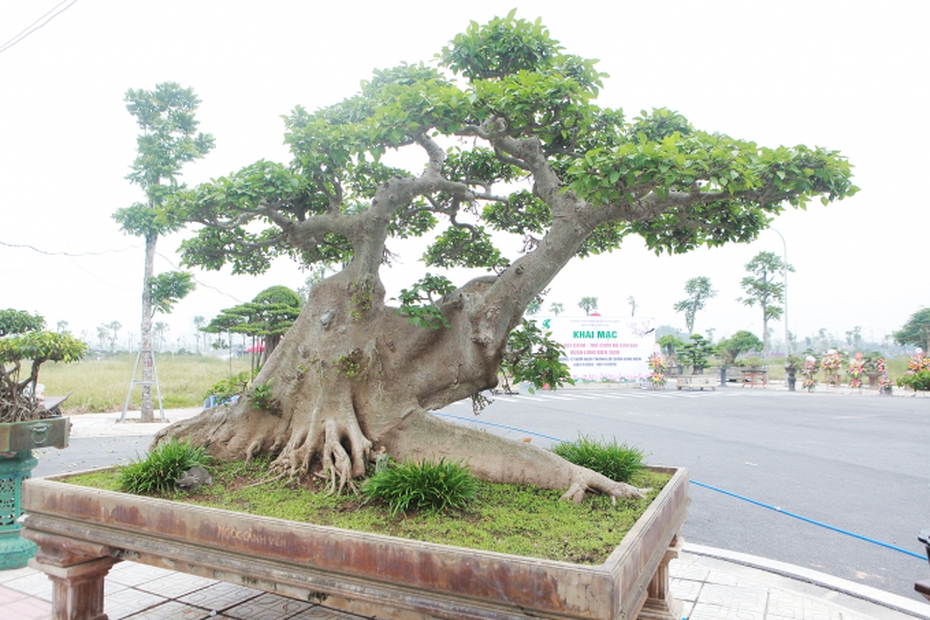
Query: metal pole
x=784, y=272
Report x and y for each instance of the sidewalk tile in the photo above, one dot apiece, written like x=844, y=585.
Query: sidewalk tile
x=267, y=607
x=175, y=585
x=324, y=613
x=172, y=610
x=710, y=611
x=220, y=596
x=15, y=573
x=133, y=574
x=26, y=609
x=36, y=584
x=685, y=590
x=130, y=601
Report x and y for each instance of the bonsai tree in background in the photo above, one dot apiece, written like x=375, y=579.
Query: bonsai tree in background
x=23, y=337
x=169, y=140
x=511, y=141
x=762, y=289
x=556, y=308
x=698, y=291
x=696, y=353
x=588, y=304
x=916, y=331
x=268, y=316
x=669, y=345
x=741, y=342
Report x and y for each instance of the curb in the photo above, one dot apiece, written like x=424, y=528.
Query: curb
x=815, y=578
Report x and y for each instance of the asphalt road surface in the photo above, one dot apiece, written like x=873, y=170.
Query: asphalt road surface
x=859, y=463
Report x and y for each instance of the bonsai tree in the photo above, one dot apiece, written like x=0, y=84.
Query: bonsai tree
x=512, y=141
x=670, y=345
x=741, y=342
x=23, y=338
x=696, y=352
x=268, y=316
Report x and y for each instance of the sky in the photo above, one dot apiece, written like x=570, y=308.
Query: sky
x=849, y=76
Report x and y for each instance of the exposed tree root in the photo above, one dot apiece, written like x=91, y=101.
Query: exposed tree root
x=333, y=444
x=422, y=435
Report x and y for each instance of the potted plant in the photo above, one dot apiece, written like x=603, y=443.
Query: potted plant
x=809, y=371
x=792, y=364
x=25, y=421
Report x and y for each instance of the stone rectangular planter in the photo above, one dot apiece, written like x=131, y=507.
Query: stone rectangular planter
x=696, y=381
x=81, y=532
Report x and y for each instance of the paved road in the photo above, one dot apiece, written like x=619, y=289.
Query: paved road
x=858, y=463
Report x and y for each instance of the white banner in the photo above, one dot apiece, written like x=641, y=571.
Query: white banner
x=604, y=349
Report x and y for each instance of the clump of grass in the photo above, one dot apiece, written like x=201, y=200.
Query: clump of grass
x=618, y=462
x=157, y=472
x=423, y=485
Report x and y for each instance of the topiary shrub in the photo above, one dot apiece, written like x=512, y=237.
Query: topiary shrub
x=163, y=465
x=618, y=462
x=422, y=485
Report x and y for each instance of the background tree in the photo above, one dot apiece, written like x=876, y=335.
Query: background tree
x=62, y=326
x=916, y=331
x=108, y=334
x=267, y=317
x=761, y=288
x=699, y=291
x=159, y=331
x=533, y=308
x=169, y=139
x=556, y=308
x=741, y=342
x=670, y=345
x=632, y=301
x=529, y=153
x=588, y=304
x=854, y=338
x=199, y=323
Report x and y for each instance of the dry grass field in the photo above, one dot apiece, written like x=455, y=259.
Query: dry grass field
x=100, y=384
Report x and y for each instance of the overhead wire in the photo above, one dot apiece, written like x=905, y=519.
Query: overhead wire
x=73, y=255
x=28, y=30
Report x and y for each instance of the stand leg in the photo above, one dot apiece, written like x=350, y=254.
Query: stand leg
x=660, y=604
x=77, y=570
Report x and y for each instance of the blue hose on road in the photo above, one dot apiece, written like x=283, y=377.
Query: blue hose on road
x=707, y=486
x=811, y=521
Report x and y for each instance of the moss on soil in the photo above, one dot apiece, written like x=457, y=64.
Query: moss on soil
x=519, y=520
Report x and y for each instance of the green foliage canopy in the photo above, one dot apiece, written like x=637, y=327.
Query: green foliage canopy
x=23, y=337
x=916, y=331
x=741, y=342
x=270, y=313
x=699, y=291
x=527, y=110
